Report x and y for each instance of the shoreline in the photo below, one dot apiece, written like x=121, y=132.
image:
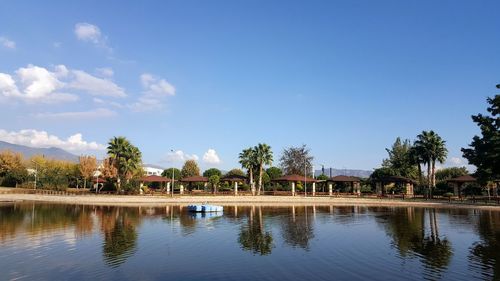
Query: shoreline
x=153, y=201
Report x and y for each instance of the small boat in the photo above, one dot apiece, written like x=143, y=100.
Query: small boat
x=204, y=208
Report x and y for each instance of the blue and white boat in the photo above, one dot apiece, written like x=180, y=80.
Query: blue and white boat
x=205, y=208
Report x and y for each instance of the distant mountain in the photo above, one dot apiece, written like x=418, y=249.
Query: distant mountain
x=51, y=152
x=345, y=172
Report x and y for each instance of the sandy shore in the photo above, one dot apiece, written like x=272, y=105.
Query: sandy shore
x=117, y=200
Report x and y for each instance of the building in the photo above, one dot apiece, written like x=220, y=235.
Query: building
x=152, y=170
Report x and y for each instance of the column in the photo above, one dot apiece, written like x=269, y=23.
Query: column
x=293, y=188
x=358, y=188
x=168, y=187
x=314, y=189
x=235, y=188
x=409, y=189
x=181, y=189
x=378, y=187
x=455, y=189
x=330, y=189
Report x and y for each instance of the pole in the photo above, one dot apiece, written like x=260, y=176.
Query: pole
x=173, y=178
x=305, y=178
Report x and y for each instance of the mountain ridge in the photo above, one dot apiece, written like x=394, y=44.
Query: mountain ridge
x=49, y=152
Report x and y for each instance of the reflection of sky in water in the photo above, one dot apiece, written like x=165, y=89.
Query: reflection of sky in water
x=246, y=243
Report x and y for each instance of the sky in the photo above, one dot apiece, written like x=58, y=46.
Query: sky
x=206, y=79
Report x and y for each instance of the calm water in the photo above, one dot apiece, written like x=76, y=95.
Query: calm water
x=67, y=242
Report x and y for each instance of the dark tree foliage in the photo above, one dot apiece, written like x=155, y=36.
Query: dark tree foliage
x=484, y=150
x=400, y=160
x=449, y=173
x=212, y=172
x=295, y=160
x=274, y=172
x=169, y=173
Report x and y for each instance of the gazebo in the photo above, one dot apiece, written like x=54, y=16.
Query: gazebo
x=297, y=178
x=381, y=182
x=234, y=179
x=458, y=182
x=159, y=179
x=353, y=181
x=193, y=179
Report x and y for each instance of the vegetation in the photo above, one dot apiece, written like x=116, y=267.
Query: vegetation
x=235, y=172
x=87, y=166
x=171, y=173
x=264, y=156
x=296, y=160
x=248, y=160
x=274, y=172
x=212, y=171
x=126, y=158
x=431, y=148
x=214, y=181
x=484, y=150
x=400, y=162
x=12, y=169
x=190, y=169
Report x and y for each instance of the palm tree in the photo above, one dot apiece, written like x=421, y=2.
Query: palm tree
x=248, y=161
x=264, y=156
x=431, y=148
x=125, y=157
x=417, y=158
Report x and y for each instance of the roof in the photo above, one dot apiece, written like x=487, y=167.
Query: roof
x=395, y=179
x=98, y=180
x=294, y=178
x=154, y=178
x=195, y=179
x=342, y=178
x=234, y=178
x=466, y=178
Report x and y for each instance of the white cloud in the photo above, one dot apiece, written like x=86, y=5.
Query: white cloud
x=456, y=161
x=9, y=44
x=180, y=156
x=105, y=71
x=91, y=33
x=95, y=113
x=95, y=86
x=36, y=84
x=156, y=86
x=34, y=138
x=211, y=157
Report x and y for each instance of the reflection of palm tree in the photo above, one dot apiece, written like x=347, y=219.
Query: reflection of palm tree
x=253, y=237
x=298, y=230
x=120, y=237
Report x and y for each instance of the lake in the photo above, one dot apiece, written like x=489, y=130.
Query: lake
x=72, y=242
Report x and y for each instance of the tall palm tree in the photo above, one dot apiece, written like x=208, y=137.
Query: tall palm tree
x=125, y=157
x=264, y=156
x=432, y=148
x=248, y=161
x=417, y=158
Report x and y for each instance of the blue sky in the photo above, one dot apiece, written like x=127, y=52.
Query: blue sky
x=209, y=78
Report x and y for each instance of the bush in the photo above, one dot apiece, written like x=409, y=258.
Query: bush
x=441, y=188
x=130, y=187
x=470, y=189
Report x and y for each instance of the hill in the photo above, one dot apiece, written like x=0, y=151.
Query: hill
x=50, y=152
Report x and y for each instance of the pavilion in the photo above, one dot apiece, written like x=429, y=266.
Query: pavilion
x=381, y=182
x=193, y=179
x=155, y=178
x=234, y=179
x=292, y=179
x=354, y=182
x=458, y=182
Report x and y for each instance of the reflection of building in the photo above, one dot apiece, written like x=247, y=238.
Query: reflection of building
x=152, y=170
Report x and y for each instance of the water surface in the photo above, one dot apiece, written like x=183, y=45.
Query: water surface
x=68, y=242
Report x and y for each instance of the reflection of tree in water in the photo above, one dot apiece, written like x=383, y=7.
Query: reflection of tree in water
x=11, y=219
x=120, y=236
x=407, y=228
x=487, y=252
x=253, y=236
x=297, y=229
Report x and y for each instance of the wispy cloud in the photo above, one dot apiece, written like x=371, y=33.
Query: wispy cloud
x=90, y=114
x=155, y=90
x=92, y=33
x=179, y=156
x=7, y=43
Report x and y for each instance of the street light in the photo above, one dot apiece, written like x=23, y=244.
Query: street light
x=36, y=171
x=305, y=178
x=173, y=178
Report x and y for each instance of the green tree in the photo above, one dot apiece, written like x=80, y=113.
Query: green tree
x=296, y=160
x=12, y=170
x=212, y=171
x=264, y=156
x=214, y=181
x=249, y=162
x=168, y=173
x=400, y=161
x=190, y=169
x=125, y=157
x=484, y=150
x=449, y=173
x=235, y=172
x=433, y=149
x=274, y=172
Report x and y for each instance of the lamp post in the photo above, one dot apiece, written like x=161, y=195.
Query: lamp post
x=305, y=178
x=173, y=178
x=36, y=171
